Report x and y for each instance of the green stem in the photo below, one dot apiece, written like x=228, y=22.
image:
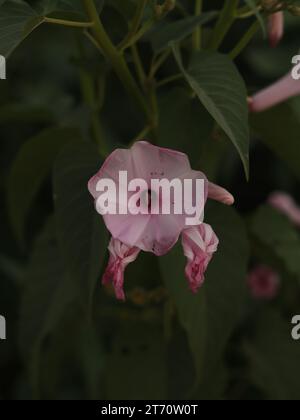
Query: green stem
x=159, y=62
x=244, y=13
x=92, y=40
x=197, y=33
x=155, y=112
x=72, y=24
x=245, y=40
x=90, y=98
x=138, y=65
x=139, y=34
x=141, y=136
x=170, y=79
x=115, y=57
x=224, y=23
x=135, y=23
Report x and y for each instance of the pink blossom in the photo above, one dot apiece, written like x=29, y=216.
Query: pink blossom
x=120, y=257
x=156, y=233
x=217, y=193
x=286, y=205
x=280, y=91
x=264, y=283
x=276, y=28
x=199, y=245
x=148, y=232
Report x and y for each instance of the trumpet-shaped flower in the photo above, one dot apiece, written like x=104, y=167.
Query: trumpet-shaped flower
x=150, y=231
x=285, y=88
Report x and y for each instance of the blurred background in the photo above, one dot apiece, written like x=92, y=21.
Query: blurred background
x=58, y=347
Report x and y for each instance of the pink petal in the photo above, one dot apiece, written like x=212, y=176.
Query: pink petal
x=217, y=193
x=263, y=282
x=276, y=28
x=280, y=91
x=199, y=245
x=286, y=205
x=120, y=256
x=152, y=162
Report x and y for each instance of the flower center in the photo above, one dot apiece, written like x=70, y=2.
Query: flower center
x=148, y=199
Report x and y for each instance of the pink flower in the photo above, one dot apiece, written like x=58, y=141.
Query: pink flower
x=276, y=28
x=156, y=233
x=286, y=205
x=120, y=257
x=283, y=89
x=148, y=232
x=263, y=282
x=199, y=245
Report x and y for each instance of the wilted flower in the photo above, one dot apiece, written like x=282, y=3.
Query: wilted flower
x=120, y=257
x=156, y=233
x=286, y=205
x=199, y=245
x=263, y=282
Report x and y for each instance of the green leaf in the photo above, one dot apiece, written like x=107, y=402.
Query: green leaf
x=13, y=112
x=210, y=316
x=179, y=115
x=275, y=233
x=47, y=291
x=137, y=364
x=17, y=21
x=281, y=139
x=81, y=231
x=164, y=33
x=253, y=6
x=50, y=6
x=66, y=9
x=30, y=169
x=219, y=86
x=274, y=358
x=125, y=8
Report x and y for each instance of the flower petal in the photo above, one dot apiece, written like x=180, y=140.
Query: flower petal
x=217, y=193
x=199, y=245
x=120, y=256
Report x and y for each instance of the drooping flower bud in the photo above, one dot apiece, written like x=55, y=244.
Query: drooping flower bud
x=199, y=245
x=120, y=257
